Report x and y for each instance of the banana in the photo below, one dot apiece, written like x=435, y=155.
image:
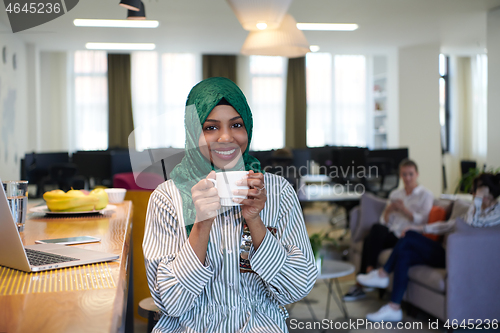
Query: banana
x=75, y=201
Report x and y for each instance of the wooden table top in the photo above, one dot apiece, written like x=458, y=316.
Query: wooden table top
x=88, y=298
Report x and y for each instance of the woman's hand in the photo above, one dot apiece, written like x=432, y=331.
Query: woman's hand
x=206, y=202
x=256, y=196
x=482, y=192
x=398, y=205
x=206, y=199
x=417, y=228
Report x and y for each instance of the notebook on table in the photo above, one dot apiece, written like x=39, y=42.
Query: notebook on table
x=39, y=257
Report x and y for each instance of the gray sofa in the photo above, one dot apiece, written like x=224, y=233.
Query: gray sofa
x=469, y=287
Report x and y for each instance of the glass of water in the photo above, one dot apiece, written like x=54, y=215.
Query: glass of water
x=17, y=197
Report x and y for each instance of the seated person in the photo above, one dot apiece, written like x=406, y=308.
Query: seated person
x=407, y=206
x=416, y=249
x=224, y=269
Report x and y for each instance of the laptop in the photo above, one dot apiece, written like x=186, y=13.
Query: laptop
x=39, y=257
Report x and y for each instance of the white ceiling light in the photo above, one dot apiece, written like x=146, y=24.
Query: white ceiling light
x=116, y=23
x=261, y=25
x=328, y=26
x=286, y=41
x=120, y=46
x=314, y=48
x=252, y=12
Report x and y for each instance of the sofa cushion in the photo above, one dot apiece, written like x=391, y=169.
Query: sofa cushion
x=384, y=256
x=371, y=208
x=460, y=208
x=432, y=278
x=446, y=204
x=436, y=214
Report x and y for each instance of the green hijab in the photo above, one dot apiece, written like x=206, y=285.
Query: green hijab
x=194, y=166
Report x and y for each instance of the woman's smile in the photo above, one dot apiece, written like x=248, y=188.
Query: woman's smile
x=224, y=138
x=226, y=153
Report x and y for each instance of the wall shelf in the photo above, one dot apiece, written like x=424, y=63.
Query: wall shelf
x=379, y=112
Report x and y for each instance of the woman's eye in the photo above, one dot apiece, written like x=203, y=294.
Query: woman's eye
x=238, y=125
x=210, y=128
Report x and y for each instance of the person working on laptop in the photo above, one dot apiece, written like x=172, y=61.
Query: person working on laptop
x=234, y=269
x=407, y=206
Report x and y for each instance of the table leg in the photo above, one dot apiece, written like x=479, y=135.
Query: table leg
x=309, y=307
x=337, y=296
x=341, y=299
x=311, y=310
x=327, y=313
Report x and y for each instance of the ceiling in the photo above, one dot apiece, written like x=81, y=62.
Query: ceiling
x=209, y=26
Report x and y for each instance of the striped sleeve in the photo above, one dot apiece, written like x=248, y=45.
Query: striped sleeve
x=175, y=275
x=477, y=217
x=286, y=264
x=439, y=228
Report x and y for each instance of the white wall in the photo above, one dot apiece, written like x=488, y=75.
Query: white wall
x=33, y=100
x=419, y=111
x=493, y=45
x=13, y=107
x=53, y=102
x=460, y=122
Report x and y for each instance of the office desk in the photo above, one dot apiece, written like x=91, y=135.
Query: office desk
x=89, y=298
x=332, y=193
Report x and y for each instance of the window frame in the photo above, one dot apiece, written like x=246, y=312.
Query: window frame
x=445, y=146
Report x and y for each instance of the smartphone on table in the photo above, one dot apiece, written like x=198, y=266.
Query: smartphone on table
x=69, y=240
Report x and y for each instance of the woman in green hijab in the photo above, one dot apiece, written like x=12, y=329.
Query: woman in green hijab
x=232, y=268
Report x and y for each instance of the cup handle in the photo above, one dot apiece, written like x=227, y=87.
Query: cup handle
x=213, y=181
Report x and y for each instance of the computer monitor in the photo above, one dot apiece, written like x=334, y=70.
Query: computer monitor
x=394, y=156
x=325, y=157
x=350, y=163
x=264, y=157
x=302, y=161
x=120, y=162
x=94, y=164
x=36, y=167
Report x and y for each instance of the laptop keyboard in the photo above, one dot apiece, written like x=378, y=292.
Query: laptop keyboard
x=38, y=258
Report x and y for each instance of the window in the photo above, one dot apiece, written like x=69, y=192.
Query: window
x=268, y=84
x=479, y=108
x=90, y=116
x=444, y=102
x=160, y=86
x=320, y=121
x=350, y=100
x=336, y=100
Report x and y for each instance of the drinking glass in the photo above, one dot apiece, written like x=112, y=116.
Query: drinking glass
x=17, y=198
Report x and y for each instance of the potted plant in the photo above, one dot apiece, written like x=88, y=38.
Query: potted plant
x=467, y=179
x=317, y=240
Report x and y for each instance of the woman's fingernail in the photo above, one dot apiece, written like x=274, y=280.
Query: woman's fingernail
x=238, y=200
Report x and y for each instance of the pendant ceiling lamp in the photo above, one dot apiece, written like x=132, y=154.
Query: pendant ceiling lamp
x=286, y=41
x=259, y=14
x=131, y=4
x=140, y=15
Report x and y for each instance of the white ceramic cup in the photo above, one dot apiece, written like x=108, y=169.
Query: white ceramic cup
x=225, y=183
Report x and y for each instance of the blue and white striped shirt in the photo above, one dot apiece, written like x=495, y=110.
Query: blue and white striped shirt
x=216, y=297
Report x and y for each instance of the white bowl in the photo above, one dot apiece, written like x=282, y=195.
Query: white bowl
x=116, y=195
